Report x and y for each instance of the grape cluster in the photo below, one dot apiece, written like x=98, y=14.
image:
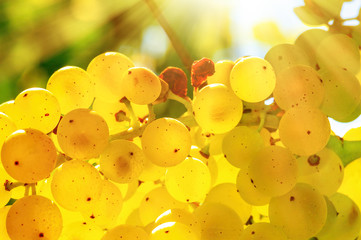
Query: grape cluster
x=88, y=158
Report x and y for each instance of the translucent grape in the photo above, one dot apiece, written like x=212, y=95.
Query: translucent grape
x=34, y=217
x=28, y=155
x=217, y=109
x=208, y=160
x=300, y=213
x=127, y=232
x=141, y=86
x=9, y=109
x=37, y=108
x=7, y=127
x=304, y=130
x=75, y=184
x=81, y=231
x=107, y=70
x=222, y=71
x=298, y=85
x=151, y=172
x=189, y=181
x=166, y=142
x=253, y=79
x=122, y=161
x=82, y=134
x=263, y=230
x=174, y=231
x=240, y=146
x=73, y=88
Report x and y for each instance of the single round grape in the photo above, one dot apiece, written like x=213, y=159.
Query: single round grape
x=263, y=230
x=222, y=71
x=81, y=230
x=174, y=231
x=240, y=146
x=253, y=79
x=304, y=130
x=189, y=181
x=122, y=161
x=127, y=232
x=299, y=85
x=75, y=184
x=300, y=213
x=82, y=134
x=141, y=86
x=7, y=127
x=34, y=217
x=73, y=87
x=106, y=71
x=217, y=109
x=166, y=142
x=28, y=155
x=37, y=108
x=273, y=171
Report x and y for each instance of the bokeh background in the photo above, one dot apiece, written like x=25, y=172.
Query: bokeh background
x=38, y=37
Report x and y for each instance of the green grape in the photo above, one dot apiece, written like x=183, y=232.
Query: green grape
x=300, y=213
x=82, y=134
x=323, y=170
x=253, y=79
x=240, y=146
x=298, y=85
x=227, y=194
x=304, y=130
x=73, y=88
x=222, y=71
x=36, y=108
x=7, y=127
x=263, y=230
x=105, y=210
x=347, y=224
x=107, y=70
x=218, y=222
x=75, y=184
x=339, y=50
x=116, y=115
x=208, y=160
x=122, y=161
x=166, y=142
x=81, y=230
x=3, y=232
x=283, y=56
x=28, y=155
x=34, y=217
x=9, y=109
x=189, y=181
x=127, y=232
x=248, y=190
x=217, y=109
x=141, y=86
x=174, y=231
x=342, y=93
x=156, y=202
x=273, y=171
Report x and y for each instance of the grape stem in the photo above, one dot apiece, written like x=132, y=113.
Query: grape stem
x=11, y=185
x=348, y=151
x=186, y=101
x=133, y=117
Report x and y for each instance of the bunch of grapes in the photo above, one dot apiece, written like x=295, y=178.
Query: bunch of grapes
x=253, y=156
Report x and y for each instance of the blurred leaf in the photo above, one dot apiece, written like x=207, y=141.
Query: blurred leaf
x=310, y=17
x=268, y=32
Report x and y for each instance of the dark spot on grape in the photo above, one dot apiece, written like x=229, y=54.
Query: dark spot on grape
x=129, y=72
x=16, y=163
x=166, y=231
x=25, y=95
x=313, y=160
x=84, y=223
x=131, y=153
x=176, y=150
x=92, y=216
x=280, y=57
x=264, y=67
x=253, y=232
x=147, y=199
x=308, y=132
x=292, y=198
x=70, y=121
x=187, y=200
x=46, y=114
x=41, y=235
x=88, y=199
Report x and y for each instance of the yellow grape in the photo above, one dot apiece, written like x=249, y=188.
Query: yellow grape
x=82, y=134
x=3, y=232
x=34, y=217
x=106, y=71
x=273, y=171
x=174, y=231
x=127, y=232
x=7, y=127
x=283, y=56
x=300, y=213
x=156, y=202
x=227, y=194
x=151, y=172
x=75, y=184
x=253, y=79
x=298, y=85
x=166, y=142
x=304, y=130
x=28, y=155
x=263, y=230
x=73, y=88
x=217, y=109
x=81, y=230
x=141, y=86
x=323, y=170
x=105, y=210
x=189, y=181
x=37, y=108
x=122, y=161
x=218, y=222
x=222, y=71
x=208, y=160
x=9, y=109
x=240, y=146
